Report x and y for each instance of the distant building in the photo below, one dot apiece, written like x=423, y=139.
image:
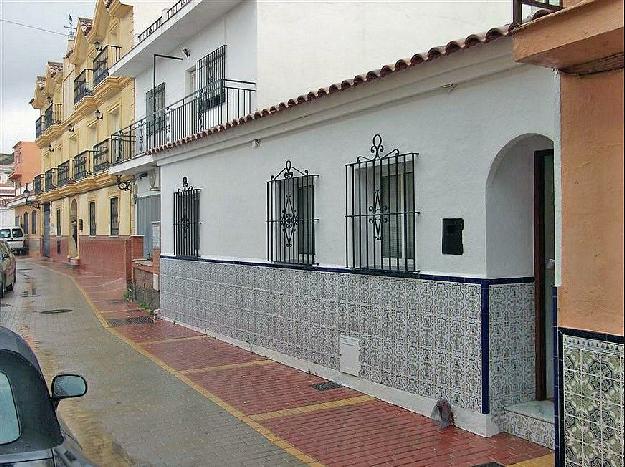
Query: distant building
x=26, y=165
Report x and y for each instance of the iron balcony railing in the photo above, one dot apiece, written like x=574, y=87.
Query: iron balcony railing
x=103, y=61
x=101, y=156
x=83, y=85
x=217, y=103
x=62, y=174
x=39, y=126
x=82, y=165
x=37, y=184
x=517, y=7
x=50, y=179
x=51, y=116
x=170, y=13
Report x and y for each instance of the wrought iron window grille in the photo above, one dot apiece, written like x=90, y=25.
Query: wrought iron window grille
x=380, y=210
x=291, y=216
x=187, y=221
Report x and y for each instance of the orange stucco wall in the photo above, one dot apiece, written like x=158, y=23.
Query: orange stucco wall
x=27, y=161
x=591, y=296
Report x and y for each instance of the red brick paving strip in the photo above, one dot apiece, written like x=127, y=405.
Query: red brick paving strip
x=365, y=434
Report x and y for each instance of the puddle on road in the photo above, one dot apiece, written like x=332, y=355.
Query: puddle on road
x=96, y=443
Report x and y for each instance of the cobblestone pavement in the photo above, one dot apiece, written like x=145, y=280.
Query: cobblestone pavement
x=177, y=397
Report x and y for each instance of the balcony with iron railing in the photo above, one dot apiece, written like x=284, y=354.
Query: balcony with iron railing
x=83, y=85
x=109, y=55
x=50, y=179
x=82, y=165
x=161, y=20
x=217, y=103
x=51, y=116
x=517, y=7
x=38, y=184
x=101, y=156
x=62, y=174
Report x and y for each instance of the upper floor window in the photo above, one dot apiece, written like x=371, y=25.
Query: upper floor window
x=211, y=75
x=380, y=211
x=187, y=220
x=291, y=216
x=155, y=115
x=114, y=216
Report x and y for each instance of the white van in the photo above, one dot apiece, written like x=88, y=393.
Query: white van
x=14, y=236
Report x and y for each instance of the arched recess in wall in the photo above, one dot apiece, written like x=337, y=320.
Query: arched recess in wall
x=510, y=207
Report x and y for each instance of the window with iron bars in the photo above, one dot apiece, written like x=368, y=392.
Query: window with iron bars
x=380, y=210
x=155, y=114
x=92, y=218
x=211, y=73
x=291, y=216
x=114, y=212
x=187, y=221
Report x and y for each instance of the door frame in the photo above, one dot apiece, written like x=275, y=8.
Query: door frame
x=539, y=273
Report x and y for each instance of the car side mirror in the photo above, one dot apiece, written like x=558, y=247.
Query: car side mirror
x=65, y=386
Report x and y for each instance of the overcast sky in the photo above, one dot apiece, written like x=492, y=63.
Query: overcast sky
x=23, y=55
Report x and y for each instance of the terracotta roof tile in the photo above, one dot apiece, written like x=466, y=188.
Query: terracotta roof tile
x=402, y=64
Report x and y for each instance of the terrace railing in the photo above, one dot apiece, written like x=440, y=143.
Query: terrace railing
x=517, y=7
x=215, y=104
x=101, y=159
x=169, y=14
x=38, y=184
x=51, y=116
x=83, y=85
x=50, y=179
x=109, y=55
x=82, y=165
x=62, y=174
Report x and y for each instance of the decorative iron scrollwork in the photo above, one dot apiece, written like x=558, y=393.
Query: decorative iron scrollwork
x=124, y=185
x=377, y=210
x=290, y=215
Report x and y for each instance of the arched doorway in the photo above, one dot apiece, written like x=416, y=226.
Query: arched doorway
x=521, y=239
x=73, y=229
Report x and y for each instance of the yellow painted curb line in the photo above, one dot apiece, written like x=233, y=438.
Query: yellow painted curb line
x=311, y=408
x=229, y=366
x=544, y=461
x=268, y=434
x=173, y=339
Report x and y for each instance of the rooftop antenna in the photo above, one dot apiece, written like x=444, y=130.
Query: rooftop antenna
x=70, y=27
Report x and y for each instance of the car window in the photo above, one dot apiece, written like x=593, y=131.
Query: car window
x=18, y=233
x=10, y=427
x=5, y=233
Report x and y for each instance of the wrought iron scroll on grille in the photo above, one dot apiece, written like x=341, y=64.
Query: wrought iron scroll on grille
x=187, y=220
x=291, y=216
x=380, y=210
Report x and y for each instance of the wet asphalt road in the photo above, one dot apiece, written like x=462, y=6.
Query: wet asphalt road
x=134, y=413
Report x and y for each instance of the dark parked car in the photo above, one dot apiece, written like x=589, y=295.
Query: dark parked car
x=30, y=433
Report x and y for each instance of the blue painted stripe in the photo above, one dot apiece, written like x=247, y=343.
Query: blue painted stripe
x=485, y=341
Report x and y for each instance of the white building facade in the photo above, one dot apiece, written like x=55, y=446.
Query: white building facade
x=209, y=62
x=380, y=233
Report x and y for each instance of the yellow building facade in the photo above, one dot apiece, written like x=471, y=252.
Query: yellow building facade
x=86, y=214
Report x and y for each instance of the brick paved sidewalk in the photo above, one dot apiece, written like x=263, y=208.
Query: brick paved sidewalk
x=336, y=427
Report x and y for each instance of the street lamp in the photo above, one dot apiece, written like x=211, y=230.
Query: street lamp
x=30, y=202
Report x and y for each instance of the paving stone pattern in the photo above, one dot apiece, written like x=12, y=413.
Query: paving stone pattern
x=334, y=427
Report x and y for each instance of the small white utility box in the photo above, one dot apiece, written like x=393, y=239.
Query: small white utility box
x=350, y=355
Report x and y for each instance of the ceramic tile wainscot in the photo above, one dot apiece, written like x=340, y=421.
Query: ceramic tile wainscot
x=593, y=401
x=419, y=336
